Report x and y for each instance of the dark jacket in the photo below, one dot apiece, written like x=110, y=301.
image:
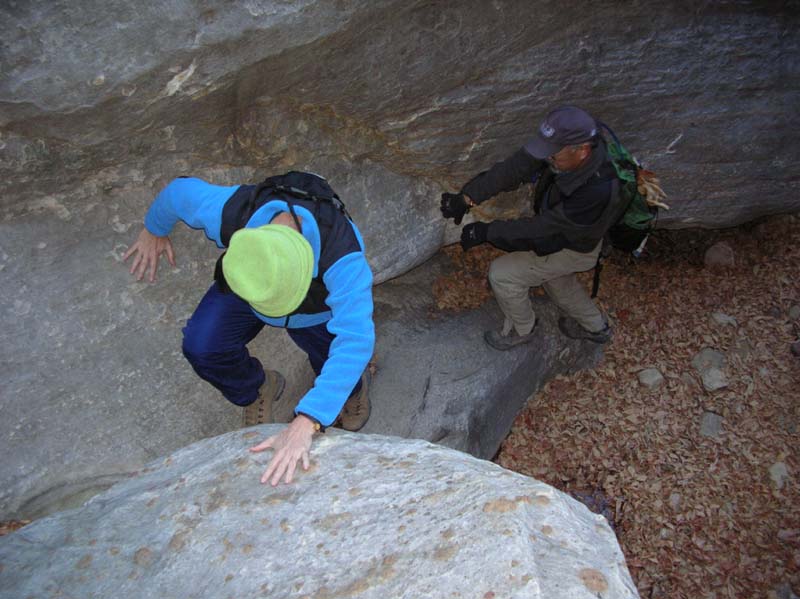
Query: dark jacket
x=573, y=210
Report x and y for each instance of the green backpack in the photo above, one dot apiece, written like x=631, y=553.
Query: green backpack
x=642, y=197
x=642, y=194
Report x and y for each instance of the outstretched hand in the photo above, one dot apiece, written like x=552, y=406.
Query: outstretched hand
x=148, y=248
x=473, y=234
x=291, y=445
x=454, y=205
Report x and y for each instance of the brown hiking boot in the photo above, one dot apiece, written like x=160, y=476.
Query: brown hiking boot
x=501, y=342
x=355, y=412
x=573, y=330
x=260, y=411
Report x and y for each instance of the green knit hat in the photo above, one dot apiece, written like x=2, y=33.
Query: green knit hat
x=270, y=268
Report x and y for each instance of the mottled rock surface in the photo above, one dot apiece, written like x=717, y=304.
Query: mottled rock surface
x=102, y=104
x=374, y=517
x=430, y=92
x=438, y=380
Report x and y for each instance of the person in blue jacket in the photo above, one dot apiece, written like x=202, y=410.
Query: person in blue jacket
x=294, y=259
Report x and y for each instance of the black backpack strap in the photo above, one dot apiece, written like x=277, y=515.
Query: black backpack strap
x=598, y=268
x=306, y=186
x=605, y=252
x=294, y=216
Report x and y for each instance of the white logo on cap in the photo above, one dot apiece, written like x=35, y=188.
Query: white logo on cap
x=547, y=130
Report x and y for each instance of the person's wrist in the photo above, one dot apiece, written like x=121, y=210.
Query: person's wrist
x=308, y=424
x=468, y=201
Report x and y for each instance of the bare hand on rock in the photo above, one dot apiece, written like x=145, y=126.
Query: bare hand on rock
x=147, y=249
x=291, y=445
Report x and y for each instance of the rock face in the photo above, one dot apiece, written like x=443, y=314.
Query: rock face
x=374, y=517
x=393, y=101
x=438, y=380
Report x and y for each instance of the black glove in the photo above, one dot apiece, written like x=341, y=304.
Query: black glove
x=473, y=234
x=454, y=206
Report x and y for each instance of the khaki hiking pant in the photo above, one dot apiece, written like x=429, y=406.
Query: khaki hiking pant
x=512, y=276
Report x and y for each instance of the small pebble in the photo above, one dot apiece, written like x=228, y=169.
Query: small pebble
x=711, y=425
x=778, y=472
x=675, y=501
x=651, y=378
x=724, y=319
x=794, y=312
x=714, y=379
x=707, y=358
x=719, y=255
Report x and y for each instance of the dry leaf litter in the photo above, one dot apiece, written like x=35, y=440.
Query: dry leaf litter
x=697, y=516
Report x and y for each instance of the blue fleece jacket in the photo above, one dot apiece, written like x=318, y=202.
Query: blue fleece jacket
x=348, y=281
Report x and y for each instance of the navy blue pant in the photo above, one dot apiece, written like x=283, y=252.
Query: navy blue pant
x=215, y=342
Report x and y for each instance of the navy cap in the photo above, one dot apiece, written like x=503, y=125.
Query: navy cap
x=564, y=126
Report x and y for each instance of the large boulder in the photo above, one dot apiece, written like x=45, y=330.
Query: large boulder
x=374, y=517
x=429, y=92
x=102, y=103
x=438, y=380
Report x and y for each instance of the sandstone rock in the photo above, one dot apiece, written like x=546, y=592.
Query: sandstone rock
x=711, y=425
x=714, y=379
x=708, y=358
x=374, y=516
x=723, y=319
x=423, y=90
x=719, y=255
x=394, y=102
x=778, y=472
x=651, y=378
x=710, y=363
x=438, y=379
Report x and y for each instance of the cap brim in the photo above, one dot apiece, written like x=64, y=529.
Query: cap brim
x=541, y=149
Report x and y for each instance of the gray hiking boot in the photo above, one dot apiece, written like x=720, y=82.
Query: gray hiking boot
x=260, y=411
x=501, y=342
x=356, y=410
x=573, y=330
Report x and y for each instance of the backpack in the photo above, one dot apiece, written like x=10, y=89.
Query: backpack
x=296, y=188
x=642, y=197
x=292, y=185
